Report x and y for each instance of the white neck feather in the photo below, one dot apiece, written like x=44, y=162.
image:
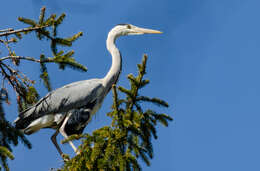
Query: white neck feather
x=115, y=69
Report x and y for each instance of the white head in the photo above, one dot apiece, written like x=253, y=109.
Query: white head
x=128, y=29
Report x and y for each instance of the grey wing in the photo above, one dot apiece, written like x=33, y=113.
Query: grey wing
x=63, y=99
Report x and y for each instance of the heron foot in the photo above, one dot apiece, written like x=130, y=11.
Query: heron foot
x=65, y=157
x=77, y=152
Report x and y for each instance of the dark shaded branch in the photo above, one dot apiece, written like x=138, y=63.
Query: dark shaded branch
x=11, y=70
x=8, y=77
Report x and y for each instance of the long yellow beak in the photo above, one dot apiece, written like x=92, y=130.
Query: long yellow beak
x=147, y=31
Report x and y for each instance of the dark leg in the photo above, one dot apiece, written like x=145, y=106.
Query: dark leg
x=54, y=140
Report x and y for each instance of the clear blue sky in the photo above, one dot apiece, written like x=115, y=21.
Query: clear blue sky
x=206, y=65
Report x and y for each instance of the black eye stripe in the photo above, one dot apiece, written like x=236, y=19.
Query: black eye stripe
x=122, y=24
x=127, y=25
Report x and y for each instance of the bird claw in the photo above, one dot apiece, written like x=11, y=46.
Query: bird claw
x=65, y=157
x=77, y=152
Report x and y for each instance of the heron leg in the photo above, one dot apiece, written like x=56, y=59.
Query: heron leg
x=54, y=141
x=61, y=130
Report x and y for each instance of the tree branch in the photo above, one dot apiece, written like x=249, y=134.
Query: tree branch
x=11, y=70
x=7, y=30
x=20, y=57
x=8, y=77
x=7, y=46
x=21, y=30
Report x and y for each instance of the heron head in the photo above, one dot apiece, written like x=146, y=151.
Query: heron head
x=129, y=29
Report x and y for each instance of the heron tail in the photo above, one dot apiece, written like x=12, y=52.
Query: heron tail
x=22, y=123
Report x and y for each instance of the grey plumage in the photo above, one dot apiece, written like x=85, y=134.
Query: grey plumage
x=69, y=109
x=63, y=100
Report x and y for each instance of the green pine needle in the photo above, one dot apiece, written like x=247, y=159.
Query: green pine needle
x=5, y=152
x=71, y=138
x=41, y=17
x=126, y=91
x=69, y=54
x=46, y=27
x=50, y=21
x=129, y=137
x=60, y=19
x=27, y=21
x=63, y=42
x=44, y=73
x=19, y=35
x=32, y=95
x=75, y=37
x=153, y=100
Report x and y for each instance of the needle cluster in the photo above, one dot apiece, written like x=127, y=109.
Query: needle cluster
x=118, y=147
x=13, y=78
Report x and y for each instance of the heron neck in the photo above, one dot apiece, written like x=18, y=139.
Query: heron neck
x=115, y=69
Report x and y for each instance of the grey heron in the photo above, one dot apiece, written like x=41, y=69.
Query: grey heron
x=69, y=109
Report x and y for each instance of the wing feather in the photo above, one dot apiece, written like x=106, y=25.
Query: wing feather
x=63, y=99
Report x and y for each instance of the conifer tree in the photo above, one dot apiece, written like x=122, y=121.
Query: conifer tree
x=118, y=147
x=13, y=79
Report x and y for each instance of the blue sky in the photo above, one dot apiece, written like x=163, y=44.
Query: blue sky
x=206, y=65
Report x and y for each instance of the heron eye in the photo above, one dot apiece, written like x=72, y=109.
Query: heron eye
x=128, y=26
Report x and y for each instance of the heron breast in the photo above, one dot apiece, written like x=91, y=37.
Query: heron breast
x=77, y=121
